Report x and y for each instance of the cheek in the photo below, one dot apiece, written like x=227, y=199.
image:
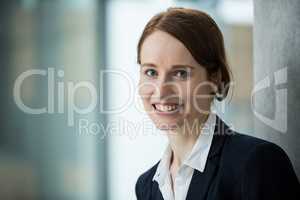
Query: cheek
x=199, y=97
x=145, y=89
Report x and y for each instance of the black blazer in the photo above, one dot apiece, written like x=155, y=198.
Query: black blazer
x=239, y=167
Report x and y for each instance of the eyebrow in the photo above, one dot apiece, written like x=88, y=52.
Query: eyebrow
x=173, y=66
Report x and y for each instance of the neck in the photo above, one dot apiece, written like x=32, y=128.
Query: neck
x=182, y=141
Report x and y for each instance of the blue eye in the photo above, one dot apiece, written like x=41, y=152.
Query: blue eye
x=150, y=72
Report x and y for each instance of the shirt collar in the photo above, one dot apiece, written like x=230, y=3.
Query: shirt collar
x=197, y=157
x=163, y=167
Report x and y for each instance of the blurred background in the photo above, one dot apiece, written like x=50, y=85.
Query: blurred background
x=67, y=68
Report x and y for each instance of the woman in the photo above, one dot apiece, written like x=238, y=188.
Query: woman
x=183, y=69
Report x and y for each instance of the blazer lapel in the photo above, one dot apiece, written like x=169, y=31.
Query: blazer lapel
x=200, y=182
x=155, y=193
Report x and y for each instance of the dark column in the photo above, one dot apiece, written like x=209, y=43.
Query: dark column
x=276, y=74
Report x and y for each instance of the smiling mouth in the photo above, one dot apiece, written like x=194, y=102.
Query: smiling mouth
x=166, y=108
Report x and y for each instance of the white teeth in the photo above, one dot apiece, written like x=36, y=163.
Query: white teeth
x=163, y=108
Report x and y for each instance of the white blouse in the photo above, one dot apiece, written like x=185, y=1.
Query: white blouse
x=196, y=159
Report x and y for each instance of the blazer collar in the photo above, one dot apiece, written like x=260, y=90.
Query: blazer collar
x=198, y=156
x=220, y=132
x=200, y=182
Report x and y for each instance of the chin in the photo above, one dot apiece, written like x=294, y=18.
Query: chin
x=166, y=126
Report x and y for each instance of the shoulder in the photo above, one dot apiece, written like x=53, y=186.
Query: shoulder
x=144, y=181
x=246, y=147
x=254, y=163
x=247, y=154
x=257, y=159
x=148, y=174
x=257, y=153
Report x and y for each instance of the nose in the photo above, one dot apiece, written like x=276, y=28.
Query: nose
x=165, y=89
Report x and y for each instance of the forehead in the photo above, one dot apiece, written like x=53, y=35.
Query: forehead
x=163, y=49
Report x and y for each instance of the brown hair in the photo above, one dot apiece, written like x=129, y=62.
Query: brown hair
x=200, y=35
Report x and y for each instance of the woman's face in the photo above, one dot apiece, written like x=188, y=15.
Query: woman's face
x=172, y=84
